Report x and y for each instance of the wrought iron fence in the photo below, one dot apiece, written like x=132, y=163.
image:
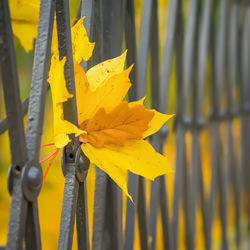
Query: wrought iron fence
x=207, y=46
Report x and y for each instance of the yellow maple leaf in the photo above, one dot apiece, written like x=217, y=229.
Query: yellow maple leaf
x=118, y=126
x=24, y=16
x=110, y=129
x=24, y=20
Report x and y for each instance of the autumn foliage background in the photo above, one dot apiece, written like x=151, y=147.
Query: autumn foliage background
x=50, y=199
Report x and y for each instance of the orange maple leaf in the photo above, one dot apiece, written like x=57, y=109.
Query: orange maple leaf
x=116, y=127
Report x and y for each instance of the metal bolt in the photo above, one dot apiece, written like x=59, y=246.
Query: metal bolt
x=34, y=178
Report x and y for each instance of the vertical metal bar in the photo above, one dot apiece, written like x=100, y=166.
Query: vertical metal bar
x=18, y=210
x=171, y=30
x=246, y=170
x=154, y=202
x=223, y=204
x=82, y=221
x=166, y=223
x=188, y=51
x=194, y=186
x=215, y=147
x=32, y=233
x=244, y=97
x=247, y=124
x=113, y=218
x=180, y=143
x=181, y=167
x=198, y=95
x=167, y=54
x=65, y=50
x=130, y=39
x=11, y=89
x=39, y=78
x=69, y=163
x=93, y=24
x=144, y=43
x=220, y=51
x=87, y=10
x=186, y=199
x=99, y=209
x=232, y=80
x=189, y=75
x=203, y=46
x=142, y=214
x=113, y=25
x=218, y=178
x=101, y=177
x=131, y=212
x=71, y=188
x=203, y=202
x=17, y=217
x=154, y=51
x=180, y=130
x=18, y=207
x=97, y=56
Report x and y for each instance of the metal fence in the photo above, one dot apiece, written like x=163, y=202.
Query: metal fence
x=207, y=48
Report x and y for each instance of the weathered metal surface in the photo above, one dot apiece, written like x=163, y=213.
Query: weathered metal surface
x=4, y=121
x=25, y=174
x=74, y=163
